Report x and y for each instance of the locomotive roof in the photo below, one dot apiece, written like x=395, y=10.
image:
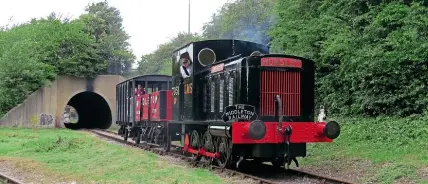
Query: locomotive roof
x=201, y=41
x=153, y=77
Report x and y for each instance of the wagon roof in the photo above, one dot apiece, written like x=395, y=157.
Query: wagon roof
x=153, y=77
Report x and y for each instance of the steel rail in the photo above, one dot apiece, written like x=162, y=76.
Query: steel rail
x=319, y=177
x=8, y=179
x=324, y=179
x=195, y=163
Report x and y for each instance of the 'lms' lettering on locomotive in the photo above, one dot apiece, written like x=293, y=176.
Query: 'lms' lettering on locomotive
x=239, y=112
x=188, y=88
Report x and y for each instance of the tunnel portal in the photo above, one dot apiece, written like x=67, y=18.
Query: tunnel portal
x=92, y=109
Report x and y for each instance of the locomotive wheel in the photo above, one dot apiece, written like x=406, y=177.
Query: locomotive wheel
x=147, y=134
x=278, y=162
x=257, y=161
x=125, y=134
x=120, y=131
x=167, y=141
x=158, y=136
x=223, y=146
x=138, y=140
x=144, y=135
x=150, y=136
x=208, y=144
x=195, y=143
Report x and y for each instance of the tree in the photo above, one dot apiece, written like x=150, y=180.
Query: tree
x=104, y=23
x=242, y=19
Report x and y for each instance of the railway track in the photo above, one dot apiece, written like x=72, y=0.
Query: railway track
x=270, y=178
x=5, y=179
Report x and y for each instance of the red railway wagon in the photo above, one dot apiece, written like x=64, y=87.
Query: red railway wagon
x=144, y=107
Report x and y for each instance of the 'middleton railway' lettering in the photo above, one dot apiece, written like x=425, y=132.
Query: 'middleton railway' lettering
x=239, y=112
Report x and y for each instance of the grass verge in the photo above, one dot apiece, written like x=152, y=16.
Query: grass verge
x=66, y=155
x=381, y=150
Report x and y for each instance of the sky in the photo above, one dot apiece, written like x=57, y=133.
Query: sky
x=148, y=22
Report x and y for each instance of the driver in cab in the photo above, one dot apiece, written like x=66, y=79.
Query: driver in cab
x=186, y=68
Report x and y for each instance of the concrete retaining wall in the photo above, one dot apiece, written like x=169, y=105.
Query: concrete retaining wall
x=45, y=106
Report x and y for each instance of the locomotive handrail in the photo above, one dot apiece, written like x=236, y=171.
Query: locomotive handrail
x=227, y=59
x=279, y=104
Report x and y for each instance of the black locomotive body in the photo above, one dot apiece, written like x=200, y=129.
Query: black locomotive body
x=232, y=100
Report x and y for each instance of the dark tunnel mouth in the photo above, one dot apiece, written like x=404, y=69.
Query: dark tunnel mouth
x=92, y=109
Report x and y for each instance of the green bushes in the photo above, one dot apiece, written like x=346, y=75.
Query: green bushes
x=33, y=53
x=371, y=55
x=381, y=130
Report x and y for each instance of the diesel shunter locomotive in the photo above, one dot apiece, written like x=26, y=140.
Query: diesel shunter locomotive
x=226, y=101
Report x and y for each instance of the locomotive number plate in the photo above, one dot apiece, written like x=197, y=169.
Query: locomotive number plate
x=239, y=112
x=281, y=62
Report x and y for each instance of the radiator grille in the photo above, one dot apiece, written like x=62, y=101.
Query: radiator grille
x=285, y=84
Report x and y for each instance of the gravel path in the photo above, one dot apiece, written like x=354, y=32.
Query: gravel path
x=178, y=161
x=353, y=170
x=9, y=169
